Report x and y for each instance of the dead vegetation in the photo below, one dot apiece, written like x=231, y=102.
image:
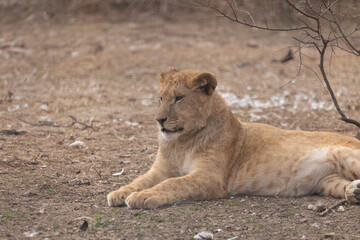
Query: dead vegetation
x=321, y=27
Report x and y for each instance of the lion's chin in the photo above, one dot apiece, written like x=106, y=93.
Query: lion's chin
x=165, y=130
x=169, y=136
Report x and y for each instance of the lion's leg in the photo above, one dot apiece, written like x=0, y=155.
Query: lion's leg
x=195, y=186
x=155, y=175
x=347, y=161
x=337, y=186
x=333, y=185
x=346, y=182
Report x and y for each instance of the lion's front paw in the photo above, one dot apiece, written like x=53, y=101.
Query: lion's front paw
x=352, y=193
x=117, y=198
x=143, y=199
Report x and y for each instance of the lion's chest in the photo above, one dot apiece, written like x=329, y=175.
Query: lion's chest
x=187, y=164
x=183, y=162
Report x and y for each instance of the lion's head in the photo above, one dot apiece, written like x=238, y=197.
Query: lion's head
x=185, y=101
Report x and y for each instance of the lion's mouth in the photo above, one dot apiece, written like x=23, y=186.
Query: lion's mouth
x=164, y=130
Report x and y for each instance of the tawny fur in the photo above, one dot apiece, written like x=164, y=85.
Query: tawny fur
x=205, y=152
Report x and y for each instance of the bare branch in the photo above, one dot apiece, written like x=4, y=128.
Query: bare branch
x=345, y=38
x=311, y=36
x=300, y=66
x=327, y=210
x=300, y=11
x=328, y=8
x=346, y=50
x=243, y=22
x=331, y=92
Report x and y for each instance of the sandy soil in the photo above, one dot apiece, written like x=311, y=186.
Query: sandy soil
x=103, y=72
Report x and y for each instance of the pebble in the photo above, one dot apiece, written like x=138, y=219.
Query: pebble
x=14, y=108
x=31, y=234
x=341, y=209
x=42, y=210
x=119, y=173
x=44, y=106
x=319, y=207
x=233, y=238
x=252, y=43
x=329, y=235
x=204, y=235
x=311, y=207
x=315, y=225
x=74, y=54
x=78, y=144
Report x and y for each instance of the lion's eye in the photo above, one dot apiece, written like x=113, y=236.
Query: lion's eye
x=179, y=98
x=160, y=99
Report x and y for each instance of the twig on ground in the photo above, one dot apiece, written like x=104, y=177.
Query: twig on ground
x=99, y=174
x=42, y=123
x=54, y=124
x=86, y=125
x=327, y=210
x=12, y=132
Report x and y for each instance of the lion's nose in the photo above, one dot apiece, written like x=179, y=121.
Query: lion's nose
x=161, y=120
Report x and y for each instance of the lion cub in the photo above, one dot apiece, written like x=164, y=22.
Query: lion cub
x=205, y=152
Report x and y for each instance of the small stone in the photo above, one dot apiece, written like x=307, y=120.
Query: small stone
x=303, y=237
x=236, y=237
x=303, y=220
x=119, y=173
x=31, y=234
x=311, y=207
x=204, y=235
x=45, y=119
x=341, y=209
x=44, y=106
x=78, y=144
x=84, y=226
x=252, y=43
x=329, y=235
x=315, y=225
x=14, y=108
x=319, y=207
x=74, y=54
x=42, y=210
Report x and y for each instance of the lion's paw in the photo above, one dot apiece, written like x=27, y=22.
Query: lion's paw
x=117, y=198
x=352, y=192
x=143, y=199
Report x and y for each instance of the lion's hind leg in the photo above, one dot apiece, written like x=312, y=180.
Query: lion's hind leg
x=333, y=185
x=337, y=186
x=346, y=183
x=347, y=161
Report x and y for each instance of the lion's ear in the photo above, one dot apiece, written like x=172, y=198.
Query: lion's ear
x=164, y=73
x=204, y=81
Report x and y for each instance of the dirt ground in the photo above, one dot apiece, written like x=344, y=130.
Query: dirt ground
x=103, y=72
